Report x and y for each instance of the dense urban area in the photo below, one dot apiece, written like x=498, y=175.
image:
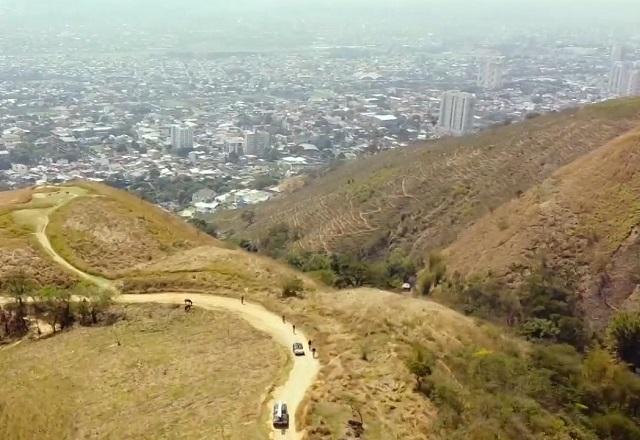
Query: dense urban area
x=201, y=131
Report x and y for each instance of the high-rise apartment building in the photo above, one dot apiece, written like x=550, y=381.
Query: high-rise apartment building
x=491, y=74
x=617, y=53
x=182, y=136
x=456, y=112
x=624, y=79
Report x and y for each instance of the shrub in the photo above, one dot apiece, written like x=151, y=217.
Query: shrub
x=421, y=364
x=432, y=275
x=624, y=334
x=292, y=287
x=616, y=426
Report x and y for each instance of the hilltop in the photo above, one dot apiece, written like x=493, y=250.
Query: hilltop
x=420, y=198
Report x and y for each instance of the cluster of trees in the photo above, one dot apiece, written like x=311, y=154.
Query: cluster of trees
x=573, y=384
x=346, y=271
x=550, y=392
x=543, y=308
x=53, y=305
x=340, y=270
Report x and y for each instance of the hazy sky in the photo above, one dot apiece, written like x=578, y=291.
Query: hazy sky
x=146, y=9
x=307, y=19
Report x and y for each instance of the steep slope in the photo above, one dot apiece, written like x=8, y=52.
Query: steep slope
x=585, y=218
x=421, y=197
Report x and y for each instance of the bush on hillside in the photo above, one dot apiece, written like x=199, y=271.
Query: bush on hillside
x=624, y=334
x=277, y=238
x=432, y=275
x=549, y=392
x=292, y=287
x=421, y=364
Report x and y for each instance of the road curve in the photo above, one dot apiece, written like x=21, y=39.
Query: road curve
x=304, y=370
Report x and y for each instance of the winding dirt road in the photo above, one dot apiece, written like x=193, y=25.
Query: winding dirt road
x=304, y=370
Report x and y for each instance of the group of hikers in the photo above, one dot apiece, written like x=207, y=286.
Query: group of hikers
x=188, y=304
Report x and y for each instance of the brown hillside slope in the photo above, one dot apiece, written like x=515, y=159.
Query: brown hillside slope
x=19, y=251
x=421, y=197
x=584, y=218
x=109, y=232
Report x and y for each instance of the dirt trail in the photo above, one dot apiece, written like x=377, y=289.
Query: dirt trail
x=304, y=370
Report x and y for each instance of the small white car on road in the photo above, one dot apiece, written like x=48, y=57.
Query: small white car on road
x=298, y=349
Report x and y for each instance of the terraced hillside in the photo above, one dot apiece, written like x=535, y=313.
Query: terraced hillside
x=585, y=218
x=420, y=198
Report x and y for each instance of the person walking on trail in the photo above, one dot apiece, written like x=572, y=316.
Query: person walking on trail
x=294, y=328
x=309, y=344
x=242, y=300
x=313, y=351
x=283, y=320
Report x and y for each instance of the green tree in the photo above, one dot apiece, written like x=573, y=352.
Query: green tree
x=57, y=306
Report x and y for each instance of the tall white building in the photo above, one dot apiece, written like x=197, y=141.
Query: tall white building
x=257, y=142
x=617, y=53
x=182, y=136
x=634, y=83
x=456, y=112
x=624, y=79
x=491, y=74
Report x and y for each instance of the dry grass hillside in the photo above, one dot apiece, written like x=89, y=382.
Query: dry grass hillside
x=19, y=251
x=108, y=232
x=584, y=218
x=420, y=198
x=217, y=270
x=364, y=338
x=175, y=375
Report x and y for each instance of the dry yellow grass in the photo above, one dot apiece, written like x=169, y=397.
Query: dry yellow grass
x=109, y=232
x=364, y=337
x=585, y=218
x=176, y=375
x=18, y=250
x=215, y=269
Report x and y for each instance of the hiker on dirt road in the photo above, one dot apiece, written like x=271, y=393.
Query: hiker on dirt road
x=294, y=328
x=283, y=320
x=309, y=344
x=242, y=300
